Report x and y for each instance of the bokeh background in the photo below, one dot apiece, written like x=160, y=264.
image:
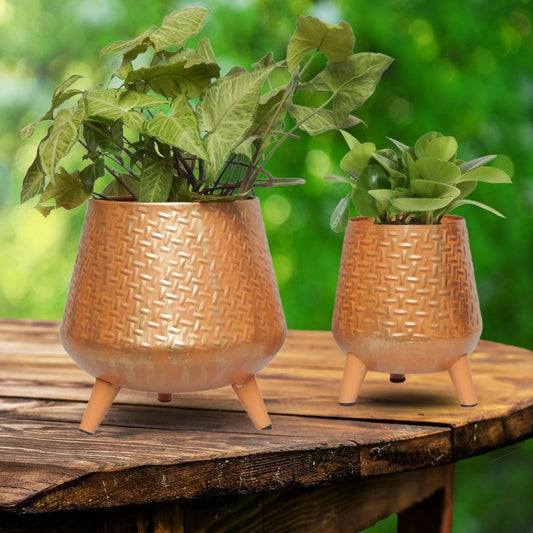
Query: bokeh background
x=463, y=67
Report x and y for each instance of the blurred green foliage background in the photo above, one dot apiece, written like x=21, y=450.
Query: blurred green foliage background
x=463, y=67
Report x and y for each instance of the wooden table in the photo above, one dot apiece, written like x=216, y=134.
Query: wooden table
x=198, y=464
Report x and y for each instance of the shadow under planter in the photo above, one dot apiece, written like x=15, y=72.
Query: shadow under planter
x=173, y=297
x=407, y=303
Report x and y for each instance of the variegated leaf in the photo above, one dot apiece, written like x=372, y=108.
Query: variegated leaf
x=226, y=112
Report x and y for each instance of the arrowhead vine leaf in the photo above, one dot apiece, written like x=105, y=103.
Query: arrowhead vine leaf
x=176, y=129
x=335, y=41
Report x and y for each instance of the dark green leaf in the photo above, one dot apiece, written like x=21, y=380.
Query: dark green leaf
x=373, y=177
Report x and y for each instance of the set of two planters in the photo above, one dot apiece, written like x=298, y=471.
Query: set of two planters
x=181, y=297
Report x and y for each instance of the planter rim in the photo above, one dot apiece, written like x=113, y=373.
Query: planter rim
x=447, y=219
x=127, y=200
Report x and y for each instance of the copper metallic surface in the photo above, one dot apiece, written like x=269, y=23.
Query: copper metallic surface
x=173, y=297
x=406, y=297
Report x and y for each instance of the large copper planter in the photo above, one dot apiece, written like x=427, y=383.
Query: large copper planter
x=407, y=303
x=173, y=297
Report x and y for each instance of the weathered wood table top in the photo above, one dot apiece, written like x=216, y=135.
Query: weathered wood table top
x=203, y=445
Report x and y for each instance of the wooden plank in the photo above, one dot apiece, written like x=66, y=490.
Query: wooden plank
x=304, y=380
x=35, y=451
x=350, y=505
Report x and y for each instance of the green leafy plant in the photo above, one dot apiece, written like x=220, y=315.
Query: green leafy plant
x=169, y=127
x=419, y=186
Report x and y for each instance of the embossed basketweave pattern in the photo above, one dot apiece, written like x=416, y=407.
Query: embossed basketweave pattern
x=179, y=277
x=406, y=282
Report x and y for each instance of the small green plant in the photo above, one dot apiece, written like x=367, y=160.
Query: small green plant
x=419, y=186
x=169, y=127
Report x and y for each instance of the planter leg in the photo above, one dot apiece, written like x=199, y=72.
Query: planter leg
x=462, y=381
x=252, y=401
x=102, y=397
x=164, y=397
x=354, y=374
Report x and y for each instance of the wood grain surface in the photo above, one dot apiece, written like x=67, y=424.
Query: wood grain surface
x=203, y=444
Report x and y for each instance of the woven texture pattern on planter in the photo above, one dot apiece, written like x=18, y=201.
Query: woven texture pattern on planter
x=406, y=282
x=173, y=276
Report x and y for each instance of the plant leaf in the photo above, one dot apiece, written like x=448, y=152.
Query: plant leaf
x=60, y=96
x=91, y=173
x=486, y=174
x=114, y=188
x=351, y=81
x=341, y=214
x=437, y=170
x=434, y=189
x=180, y=129
x=114, y=104
x=125, y=47
x=365, y=204
x=226, y=112
x=357, y=158
x=61, y=137
x=178, y=27
x=268, y=105
x=334, y=40
x=334, y=178
x=156, y=179
x=413, y=205
x=466, y=187
x=34, y=181
x=422, y=142
x=471, y=165
x=442, y=148
x=265, y=61
x=400, y=145
x=246, y=147
x=316, y=121
x=108, y=139
x=183, y=76
x=351, y=141
x=458, y=203
x=66, y=190
x=388, y=164
x=384, y=195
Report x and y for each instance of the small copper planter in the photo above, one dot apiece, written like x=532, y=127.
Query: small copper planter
x=407, y=303
x=173, y=297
